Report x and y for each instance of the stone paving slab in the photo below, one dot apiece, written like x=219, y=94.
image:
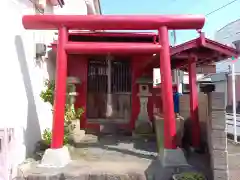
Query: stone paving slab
x=234, y=174
x=234, y=161
x=91, y=170
x=109, y=159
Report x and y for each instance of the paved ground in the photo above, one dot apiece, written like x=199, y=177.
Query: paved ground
x=234, y=161
x=105, y=158
x=121, y=148
x=114, y=158
x=138, y=156
x=124, y=158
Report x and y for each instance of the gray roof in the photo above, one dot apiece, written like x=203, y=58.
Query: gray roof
x=214, y=77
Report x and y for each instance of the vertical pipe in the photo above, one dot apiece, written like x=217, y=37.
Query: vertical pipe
x=127, y=77
x=118, y=77
x=109, y=95
x=60, y=90
x=167, y=94
x=109, y=75
x=194, y=102
x=121, y=75
x=234, y=103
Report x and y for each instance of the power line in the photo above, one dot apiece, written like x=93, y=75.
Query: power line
x=231, y=2
x=210, y=13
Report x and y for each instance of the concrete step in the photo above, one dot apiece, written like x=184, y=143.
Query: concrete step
x=116, y=129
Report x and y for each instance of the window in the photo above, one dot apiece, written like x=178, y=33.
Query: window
x=185, y=88
x=173, y=76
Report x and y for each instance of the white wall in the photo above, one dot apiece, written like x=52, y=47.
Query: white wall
x=157, y=76
x=220, y=86
x=22, y=76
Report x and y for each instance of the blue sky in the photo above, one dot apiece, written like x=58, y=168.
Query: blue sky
x=213, y=22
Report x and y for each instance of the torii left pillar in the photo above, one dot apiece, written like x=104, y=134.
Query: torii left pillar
x=58, y=156
x=60, y=90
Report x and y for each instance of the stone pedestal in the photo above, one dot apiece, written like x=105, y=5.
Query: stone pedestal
x=159, y=131
x=143, y=124
x=56, y=158
x=77, y=133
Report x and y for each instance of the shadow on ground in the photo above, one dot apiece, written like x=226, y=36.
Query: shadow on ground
x=116, y=157
x=143, y=151
x=125, y=145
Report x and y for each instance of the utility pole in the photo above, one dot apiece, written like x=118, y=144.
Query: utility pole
x=234, y=101
x=237, y=46
x=177, y=73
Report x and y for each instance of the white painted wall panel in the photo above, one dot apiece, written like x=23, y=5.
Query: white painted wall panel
x=22, y=76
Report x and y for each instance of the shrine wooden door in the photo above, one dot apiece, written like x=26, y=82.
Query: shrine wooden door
x=109, y=90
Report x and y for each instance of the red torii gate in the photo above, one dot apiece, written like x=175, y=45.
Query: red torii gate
x=63, y=23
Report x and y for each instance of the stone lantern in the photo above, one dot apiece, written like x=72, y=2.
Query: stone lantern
x=73, y=81
x=77, y=133
x=143, y=125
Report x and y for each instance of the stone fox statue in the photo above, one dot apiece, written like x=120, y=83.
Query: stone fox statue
x=186, y=138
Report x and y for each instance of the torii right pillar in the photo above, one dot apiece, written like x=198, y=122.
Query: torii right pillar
x=172, y=156
x=196, y=131
x=167, y=93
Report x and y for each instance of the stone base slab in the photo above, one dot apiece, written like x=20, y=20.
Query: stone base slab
x=78, y=135
x=56, y=158
x=143, y=127
x=173, y=158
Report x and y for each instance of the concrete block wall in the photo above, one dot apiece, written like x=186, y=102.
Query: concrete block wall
x=213, y=129
x=184, y=104
x=217, y=136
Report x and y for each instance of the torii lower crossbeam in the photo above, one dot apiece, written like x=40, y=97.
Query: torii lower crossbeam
x=114, y=48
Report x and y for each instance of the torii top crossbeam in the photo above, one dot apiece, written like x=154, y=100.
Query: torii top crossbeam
x=113, y=22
